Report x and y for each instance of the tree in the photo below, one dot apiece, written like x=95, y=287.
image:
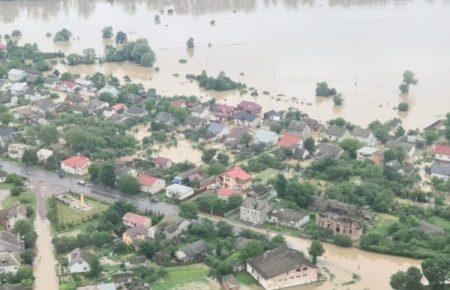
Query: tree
x=250, y=249
x=409, y=280
x=316, y=250
x=48, y=134
x=68, y=285
x=107, y=174
x=408, y=79
x=246, y=139
x=436, y=270
x=121, y=37
x=338, y=100
x=62, y=35
x=208, y=155
x=322, y=90
x=190, y=43
x=223, y=158
x=403, y=107
x=188, y=210
x=28, y=256
x=147, y=59
x=107, y=32
x=128, y=184
x=25, y=229
x=148, y=249
x=234, y=201
x=351, y=146
x=6, y=117
x=94, y=170
x=431, y=137
x=29, y=157
x=309, y=145
x=96, y=267
x=224, y=229
x=280, y=185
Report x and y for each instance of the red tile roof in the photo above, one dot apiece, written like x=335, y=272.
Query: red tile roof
x=177, y=104
x=135, y=218
x=119, y=106
x=162, y=161
x=147, y=180
x=2, y=46
x=238, y=173
x=289, y=141
x=225, y=109
x=76, y=161
x=226, y=192
x=68, y=84
x=442, y=150
x=249, y=106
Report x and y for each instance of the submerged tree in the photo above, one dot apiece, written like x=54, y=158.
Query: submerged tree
x=408, y=79
x=190, y=43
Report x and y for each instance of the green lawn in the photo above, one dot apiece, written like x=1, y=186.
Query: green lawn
x=25, y=198
x=440, y=222
x=267, y=174
x=182, y=275
x=68, y=215
x=5, y=185
x=245, y=279
x=383, y=223
x=281, y=229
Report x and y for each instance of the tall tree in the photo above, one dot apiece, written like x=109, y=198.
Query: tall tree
x=315, y=250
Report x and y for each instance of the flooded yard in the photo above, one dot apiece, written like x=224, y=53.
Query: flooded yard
x=183, y=151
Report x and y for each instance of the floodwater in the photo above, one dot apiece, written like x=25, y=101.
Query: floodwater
x=360, y=47
x=374, y=269
x=183, y=151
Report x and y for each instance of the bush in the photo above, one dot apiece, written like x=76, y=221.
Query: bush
x=403, y=107
x=343, y=241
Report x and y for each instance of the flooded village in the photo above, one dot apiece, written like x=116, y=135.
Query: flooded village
x=224, y=144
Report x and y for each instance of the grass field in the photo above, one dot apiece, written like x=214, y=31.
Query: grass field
x=383, y=223
x=245, y=279
x=267, y=174
x=440, y=222
x=25, y=198
x=68, y=215
x=182, y=275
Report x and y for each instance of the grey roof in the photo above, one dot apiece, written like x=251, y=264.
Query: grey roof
x=240, y=243
x=265, y=136
x=297, y=126
x=164, y=117
x=278, y=261
x=238, y=132
x=441, y=169
x=78, y=255
x=287, y=215
x=195, y=248
x=334, y=130
x=6, y=131
x=137, y=230
x=46, y=104
x=216, y=128
x=323, y=204
x=136, y=111
x=194, y=121
x=392, y=144
x=9, y=259
x=360, y=132
x=256, y=204
x=366, y=150
x=244, y=116
x=328, y=150
x=10, y=238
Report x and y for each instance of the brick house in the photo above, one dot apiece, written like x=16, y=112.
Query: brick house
x=235, y=178
x=77, y=165
x=131, y=220
x=151, y=184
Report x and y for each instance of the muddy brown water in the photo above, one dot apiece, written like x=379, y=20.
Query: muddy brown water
x=361, y=47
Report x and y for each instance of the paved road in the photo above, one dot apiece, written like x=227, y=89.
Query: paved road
x=62, y=185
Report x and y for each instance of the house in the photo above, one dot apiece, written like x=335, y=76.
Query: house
x=273, y=115
x=3, y=85
x=119, y=107
x=300, y=153
x=67, y=86
x=249, y=107
x=135, y=261
x=9, y=262
x=442, y=153
x=192, y=252
x=370, y=153
x=282, y=267
x=110, y=90
x=78, y=261
x=10, y=242
x=179, y=191
x=202, y=112
x=9, y=216
x=236, y=134
x=45, y=106
x=136, y=112
x=441, y=171
x=364, y=136
x=229, y=283
x=16, y=75
x=335, y=133
x=218, y=129
x=287, y=218
x=164, y=118
x=265, y=137
x=18, y=88
x=323, y=204
x=6, y=135
x=299, y=128
x=254, y=210
x=395, y=144
x=224, y=112
x=131, y=220
x=314, y=124
x=340, y=222
x=246, y=119
x=234, y=178
x=44, y=154
x=74, y=99
x=194, y=122
x=327, y=150
x=170, y=227
x=102, y=286
x=178, y=104
x=135, y=235
x=3, y=175
x=151, y=184
x=34, y=95
x=95, y=106
x=50, y=82
x=289, y=141
x=225, y=193
x=77, y=165
x=17, y=150
x=162, y=162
